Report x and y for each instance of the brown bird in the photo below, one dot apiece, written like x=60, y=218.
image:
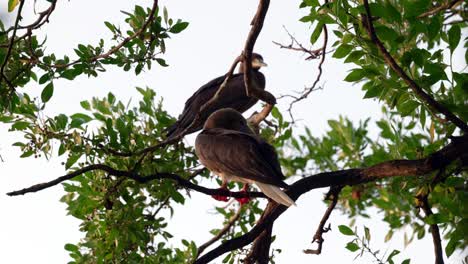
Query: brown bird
x=232, y=96
x=229, y=148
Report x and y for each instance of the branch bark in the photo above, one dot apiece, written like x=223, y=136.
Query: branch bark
x=420, y=93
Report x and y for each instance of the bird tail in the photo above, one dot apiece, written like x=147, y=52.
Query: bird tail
x=275, y=193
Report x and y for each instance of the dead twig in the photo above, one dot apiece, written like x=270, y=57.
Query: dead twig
x=318, y=236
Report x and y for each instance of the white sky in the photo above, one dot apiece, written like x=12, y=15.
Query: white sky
x=35, y=227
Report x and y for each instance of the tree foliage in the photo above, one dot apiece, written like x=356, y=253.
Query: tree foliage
x=120, y=178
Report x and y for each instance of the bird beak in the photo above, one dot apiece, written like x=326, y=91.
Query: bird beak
x=257, y=63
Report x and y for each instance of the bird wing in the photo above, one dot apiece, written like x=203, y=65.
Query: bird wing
x=239, y=154
x=193, y=105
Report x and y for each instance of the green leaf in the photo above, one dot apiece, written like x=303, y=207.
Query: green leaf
x=394, y=253
x=451, y=246
x=386, y=33
x=355, y=75
x=72, y=160
x=162, y=62
x=71, y=247
x=47, y=92
x=437, y=218
x=407, y=107
x=20, y=125
x=351, y=246
x=85, y=105
x=12, y=4
x=177, y=28
x=316, y=34
x=454, y=35
x=346, y=230
x=342, y=51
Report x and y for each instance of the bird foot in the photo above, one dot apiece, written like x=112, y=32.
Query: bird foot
x=244, y=200
x=221, y=198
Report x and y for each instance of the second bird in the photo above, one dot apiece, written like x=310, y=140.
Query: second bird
x=233, y=96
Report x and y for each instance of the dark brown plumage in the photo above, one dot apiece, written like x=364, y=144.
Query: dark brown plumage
x=228, y=148
x=233, y=96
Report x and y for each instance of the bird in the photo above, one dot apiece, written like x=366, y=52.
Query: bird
x=230, y=149
x=232, y=96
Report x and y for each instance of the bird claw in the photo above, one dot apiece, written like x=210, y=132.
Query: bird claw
x=243, y=200
x=221, y=198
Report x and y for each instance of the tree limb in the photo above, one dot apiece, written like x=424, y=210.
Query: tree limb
x=139, y=178
x=420, y=93
x=439, y=259
x=257, y=25
x=455, y=151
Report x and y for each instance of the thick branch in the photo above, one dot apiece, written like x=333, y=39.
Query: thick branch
x=440, y=159
x=257, y=25
x=420, y=93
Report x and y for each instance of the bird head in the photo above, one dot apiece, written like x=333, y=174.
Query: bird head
x=257, y=62
x=227, y=118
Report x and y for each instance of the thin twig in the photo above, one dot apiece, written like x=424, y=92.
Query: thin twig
x=435, y=10
x=313, y=54
x=318, y=236
x=221, y=232
x=420, y=93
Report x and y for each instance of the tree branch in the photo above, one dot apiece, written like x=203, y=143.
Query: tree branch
x=439, y=259
x=257, y=25
x=423, y=96
x=139, y=178
x=455, y=151
x=260, y=251
x=435, y=10
x=318, y=237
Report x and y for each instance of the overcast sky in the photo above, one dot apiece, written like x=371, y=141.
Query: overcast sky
x=35, y=227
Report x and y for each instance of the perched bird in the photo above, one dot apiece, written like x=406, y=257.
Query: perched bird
x=232, y=96
x=229, y=148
